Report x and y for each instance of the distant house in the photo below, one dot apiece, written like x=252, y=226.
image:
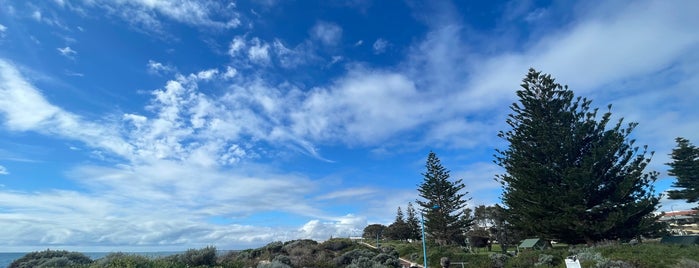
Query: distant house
x=534, y=244
x=681, y=217
x=682, y=222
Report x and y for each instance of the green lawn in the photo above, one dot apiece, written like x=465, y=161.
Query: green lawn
x=645, y=255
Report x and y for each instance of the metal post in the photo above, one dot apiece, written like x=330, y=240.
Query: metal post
x=377, y=238
x=424, y=248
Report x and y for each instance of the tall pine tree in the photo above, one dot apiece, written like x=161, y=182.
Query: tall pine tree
x=685, y=167
x=442, y=204
x=568, y=175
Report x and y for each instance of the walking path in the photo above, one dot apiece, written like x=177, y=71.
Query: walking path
x=403, y=262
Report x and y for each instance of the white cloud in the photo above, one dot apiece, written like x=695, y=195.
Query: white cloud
x=207, y=74
x=675, y=205
x=3, y=171
x=230, y=72
x=158, y=68
x=147, y=13
x=326, y=32
x=258, y=51
x=349, y=225
x=67, y=52
x=25, y=109
x=366, y=106
x=36, y=15
x=237, y=44
x=3, y=29
x=380, y=46
x=479, y=179
x=353, y=193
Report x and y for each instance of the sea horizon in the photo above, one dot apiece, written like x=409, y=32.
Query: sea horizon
x=6, y=258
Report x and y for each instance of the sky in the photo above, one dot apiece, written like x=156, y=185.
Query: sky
x=158, y=125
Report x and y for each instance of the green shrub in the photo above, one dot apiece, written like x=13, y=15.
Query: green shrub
x=350, y=256
x=273, y=264
x=613, y=264
x=499, y=260
x=199, y=257
x=336, y=244
x=386, y=260
x=274, y=247
x=282, y=259
x=53, y=258
x=118, y=259
x=303, y=243
x=540, y=258
x=476, y=261
x=545, y=260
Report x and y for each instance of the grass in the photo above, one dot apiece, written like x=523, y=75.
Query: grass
x=646, y=255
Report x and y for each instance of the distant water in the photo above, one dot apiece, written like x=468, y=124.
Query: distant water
x=7, y=258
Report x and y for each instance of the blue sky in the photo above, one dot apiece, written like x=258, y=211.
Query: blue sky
x=174, y=124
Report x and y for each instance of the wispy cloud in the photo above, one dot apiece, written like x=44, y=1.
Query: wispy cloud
x=353, y=194
x=148, y=14
x=26, y=109
x=380, y=46
x=159, y=68
x=3, y=171
x=255, y=51
x=67, y=52
x=327, y=33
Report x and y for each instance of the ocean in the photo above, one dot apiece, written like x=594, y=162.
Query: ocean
x=7, y=258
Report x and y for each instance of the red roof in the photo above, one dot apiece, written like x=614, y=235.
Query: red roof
x=681, y=213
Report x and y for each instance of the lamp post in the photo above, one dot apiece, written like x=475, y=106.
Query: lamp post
x=424, y=247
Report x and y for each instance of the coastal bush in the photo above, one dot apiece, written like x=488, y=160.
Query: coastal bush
x=53, y=258
x=301, y=243
x=282, y=259
x=350, y=256
x=199, y=257
x=336, y=244
x=498, y=260
x=386, y=260
x=649, y=255
x=119, y=259
x=274, y=247
x=273, y=264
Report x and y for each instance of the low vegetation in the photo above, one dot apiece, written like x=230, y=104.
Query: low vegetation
x=347, y=253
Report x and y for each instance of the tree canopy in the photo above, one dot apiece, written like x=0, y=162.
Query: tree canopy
x=568, y=175
x=685, y=167
x=442, y=204
x=372, y=231
x=399, y=229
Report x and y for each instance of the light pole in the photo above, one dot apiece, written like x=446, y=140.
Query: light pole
x=424, y=248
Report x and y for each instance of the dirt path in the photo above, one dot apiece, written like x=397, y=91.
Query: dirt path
x=403, y=262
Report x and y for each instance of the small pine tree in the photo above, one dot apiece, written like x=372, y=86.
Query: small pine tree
x=442, y=204
x=413, y=222
x=399, y=216
x=685, y=167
